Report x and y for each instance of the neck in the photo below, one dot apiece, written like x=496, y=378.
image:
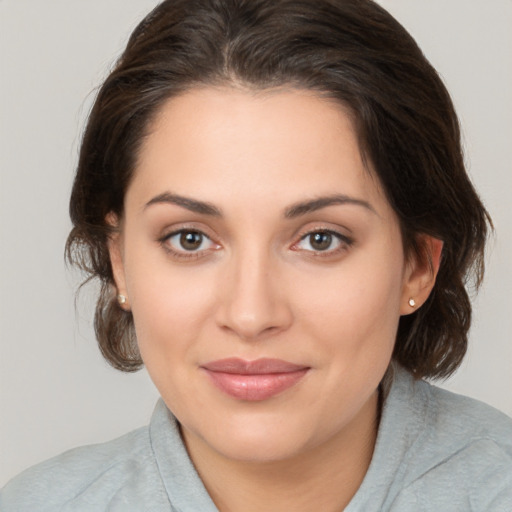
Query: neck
x=325, y=477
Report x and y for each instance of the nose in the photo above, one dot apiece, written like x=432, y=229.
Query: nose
x=253, y=301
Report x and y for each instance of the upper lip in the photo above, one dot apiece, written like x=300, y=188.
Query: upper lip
x=257, y=367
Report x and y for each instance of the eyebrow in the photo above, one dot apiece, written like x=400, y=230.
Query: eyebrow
x=302, y=208
x=193, y=205
x=293, y=211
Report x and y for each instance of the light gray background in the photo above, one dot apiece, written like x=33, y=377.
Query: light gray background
x=56, y=392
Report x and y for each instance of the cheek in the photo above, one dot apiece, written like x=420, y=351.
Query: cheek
x=356, y=307
x=170, y=305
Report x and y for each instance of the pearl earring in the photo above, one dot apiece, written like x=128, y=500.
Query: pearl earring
x=121, y=299
x=412, y=302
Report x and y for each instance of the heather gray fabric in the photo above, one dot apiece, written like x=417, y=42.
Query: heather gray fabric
x=435, y=451
x=438, y=452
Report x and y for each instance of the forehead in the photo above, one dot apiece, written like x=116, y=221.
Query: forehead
x=221, y=142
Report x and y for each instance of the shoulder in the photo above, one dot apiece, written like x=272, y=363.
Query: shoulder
x=433, y=415
x=460, y=451
x=459, y=422
x=84, y=477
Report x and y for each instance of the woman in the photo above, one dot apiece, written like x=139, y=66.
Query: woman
x=274, y=199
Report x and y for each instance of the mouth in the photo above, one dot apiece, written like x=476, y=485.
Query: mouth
x=255, y=380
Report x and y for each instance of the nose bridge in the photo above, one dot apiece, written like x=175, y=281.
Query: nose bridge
x=254, y=303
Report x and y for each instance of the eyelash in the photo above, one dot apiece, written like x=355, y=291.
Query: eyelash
x=344, y=243
x=184, y=254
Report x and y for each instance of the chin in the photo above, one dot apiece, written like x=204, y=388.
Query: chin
x=258, y=438
x=262, y=449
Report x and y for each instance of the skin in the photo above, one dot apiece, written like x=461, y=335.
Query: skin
x=258, y=286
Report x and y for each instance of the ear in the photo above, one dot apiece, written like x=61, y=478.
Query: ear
x=420, y=274
x=115, y=249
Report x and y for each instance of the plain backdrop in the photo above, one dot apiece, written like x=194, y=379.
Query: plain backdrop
x=56, y=392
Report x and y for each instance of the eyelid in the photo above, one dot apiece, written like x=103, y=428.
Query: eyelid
x=345, y=241
x=184, y=254
x=325, y=227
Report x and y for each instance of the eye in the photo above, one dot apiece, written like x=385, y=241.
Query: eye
x=188, y=241
x=323, y=241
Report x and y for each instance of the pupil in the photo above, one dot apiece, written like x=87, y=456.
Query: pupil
x=190, y=240
x=321, y=241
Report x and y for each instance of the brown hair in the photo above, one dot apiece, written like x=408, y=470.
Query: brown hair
x=350, y=50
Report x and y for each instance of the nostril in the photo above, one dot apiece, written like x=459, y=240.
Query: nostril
x=253, y=328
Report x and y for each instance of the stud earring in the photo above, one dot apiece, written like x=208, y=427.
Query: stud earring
x=121, y=299
x=412, y=302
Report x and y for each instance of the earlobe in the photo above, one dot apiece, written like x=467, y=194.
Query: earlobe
x=421, y=273
x=116, y=261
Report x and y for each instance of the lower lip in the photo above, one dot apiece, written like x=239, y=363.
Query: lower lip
x=255, y=387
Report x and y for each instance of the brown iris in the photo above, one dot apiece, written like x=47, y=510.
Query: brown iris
x=320, y=241
x=191, y=240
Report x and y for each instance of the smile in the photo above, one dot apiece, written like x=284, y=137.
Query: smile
x=254, y=380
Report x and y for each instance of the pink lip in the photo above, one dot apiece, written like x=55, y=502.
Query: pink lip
x=254, y=380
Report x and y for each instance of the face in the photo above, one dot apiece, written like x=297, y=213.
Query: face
x=264, y=269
